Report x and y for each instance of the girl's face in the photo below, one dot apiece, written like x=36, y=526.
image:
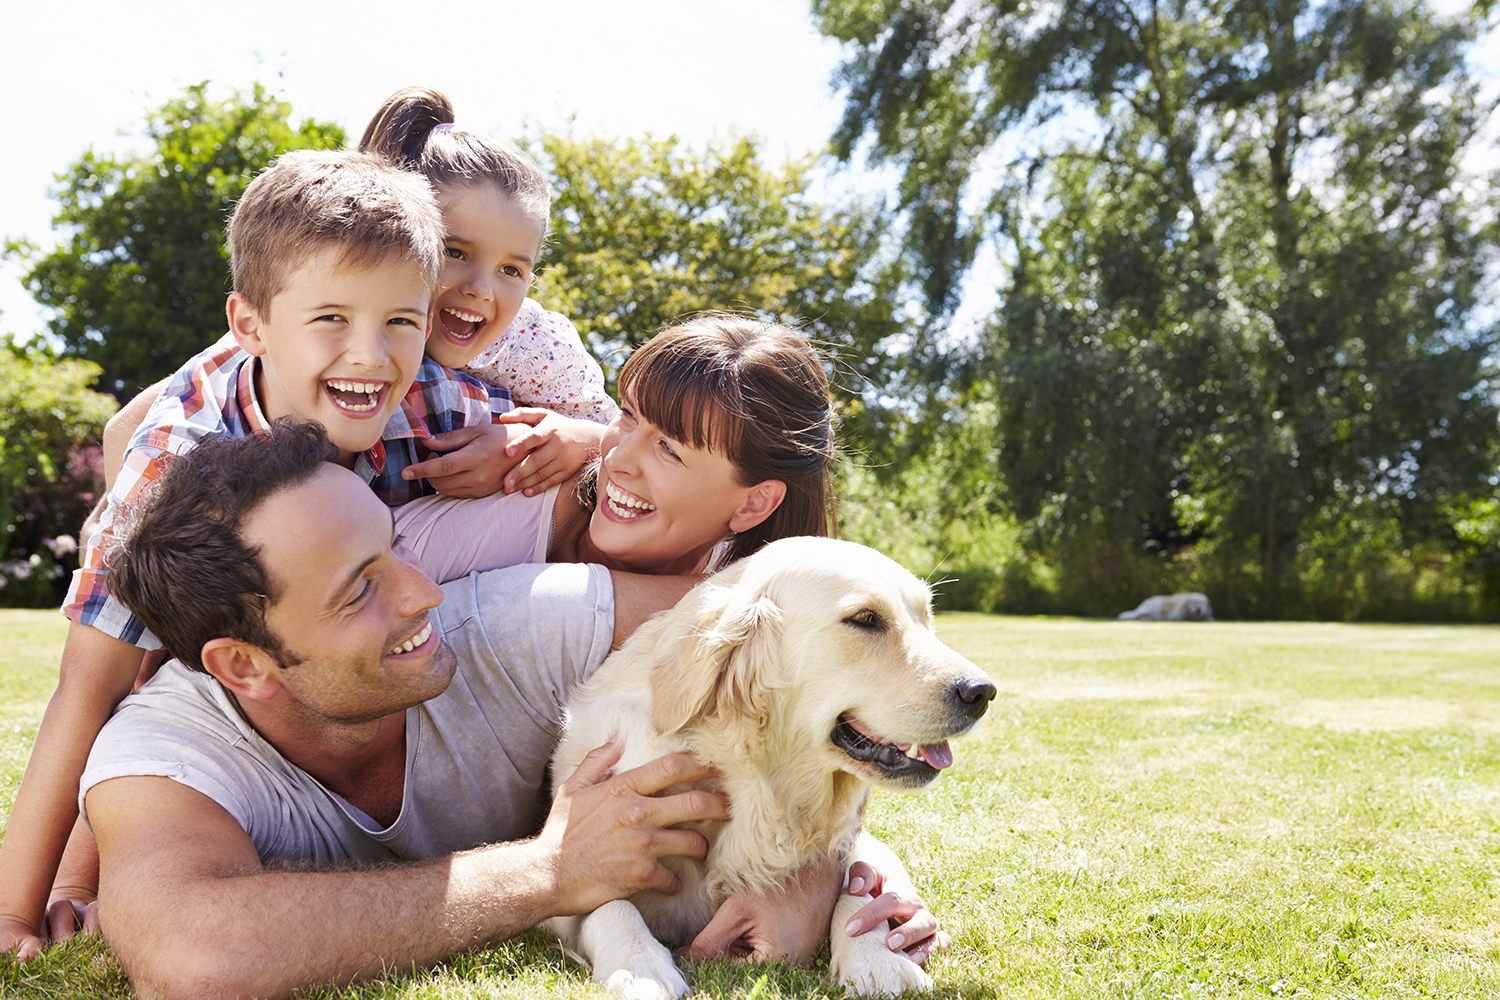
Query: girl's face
x=663, y=504
x=489, y=253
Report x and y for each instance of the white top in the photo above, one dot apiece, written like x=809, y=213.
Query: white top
x=476, y=755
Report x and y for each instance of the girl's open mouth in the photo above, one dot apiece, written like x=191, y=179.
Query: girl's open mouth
x=460, y=325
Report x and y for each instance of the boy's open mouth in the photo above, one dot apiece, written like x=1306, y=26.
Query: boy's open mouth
x=460, y=324
x=354, y=396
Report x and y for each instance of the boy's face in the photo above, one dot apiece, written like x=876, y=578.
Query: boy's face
x=488, y=256
x=338, y=345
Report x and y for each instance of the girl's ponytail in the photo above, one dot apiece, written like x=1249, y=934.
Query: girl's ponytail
x=401, y=126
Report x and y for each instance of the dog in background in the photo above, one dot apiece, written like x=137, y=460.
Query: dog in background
x=804, y=674
x=1190, y=607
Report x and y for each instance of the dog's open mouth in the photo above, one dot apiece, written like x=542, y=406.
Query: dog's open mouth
x=895, y=759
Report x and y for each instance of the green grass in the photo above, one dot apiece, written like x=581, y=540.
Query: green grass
x=1149, y=810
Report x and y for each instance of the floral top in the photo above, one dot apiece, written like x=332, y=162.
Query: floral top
x=542, y=361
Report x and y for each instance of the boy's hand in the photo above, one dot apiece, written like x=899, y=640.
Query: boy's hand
x=474, y=464
x=17, y=936
x=552, y=448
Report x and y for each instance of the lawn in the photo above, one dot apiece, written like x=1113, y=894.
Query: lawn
x=1149, y=810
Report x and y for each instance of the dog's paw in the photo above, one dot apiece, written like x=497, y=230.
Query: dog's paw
x=886, y=976
x=647, y=976
x=869, y=968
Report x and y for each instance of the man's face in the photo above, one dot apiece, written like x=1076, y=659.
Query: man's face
x=341, y=346
x=352, y=607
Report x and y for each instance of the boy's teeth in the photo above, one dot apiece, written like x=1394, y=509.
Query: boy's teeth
x=369, y=390
x=624, y=504
x=414, y=641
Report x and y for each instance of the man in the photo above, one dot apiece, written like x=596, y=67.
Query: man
x=333, y=707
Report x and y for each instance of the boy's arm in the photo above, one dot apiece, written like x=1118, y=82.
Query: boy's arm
x=552, y=448
x=121, y=428
x=97, y=671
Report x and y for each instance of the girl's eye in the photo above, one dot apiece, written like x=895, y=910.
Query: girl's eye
x=454, y=253
x=513, y=271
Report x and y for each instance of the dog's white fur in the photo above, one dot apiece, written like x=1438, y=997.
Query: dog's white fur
x=751, y=672
x=1190, y=607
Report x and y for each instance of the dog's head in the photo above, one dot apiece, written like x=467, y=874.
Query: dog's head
x=820, y=647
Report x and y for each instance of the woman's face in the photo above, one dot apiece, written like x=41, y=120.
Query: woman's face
x=664, y=504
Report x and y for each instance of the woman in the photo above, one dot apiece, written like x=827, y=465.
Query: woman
x=722, y=444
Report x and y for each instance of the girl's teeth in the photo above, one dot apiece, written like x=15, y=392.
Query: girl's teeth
x=414, y=641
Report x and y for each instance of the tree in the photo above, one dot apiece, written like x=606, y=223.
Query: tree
x=138, y=284
x=1242, y=260
x=647, y=232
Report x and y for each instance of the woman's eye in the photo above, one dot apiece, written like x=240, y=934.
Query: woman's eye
x=667, y=448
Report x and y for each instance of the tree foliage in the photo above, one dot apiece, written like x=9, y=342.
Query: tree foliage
x=1243, y=264
x=137, y=284
x=645, y=233
x=50, y=474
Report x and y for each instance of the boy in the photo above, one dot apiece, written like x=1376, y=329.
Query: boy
x=336, y=257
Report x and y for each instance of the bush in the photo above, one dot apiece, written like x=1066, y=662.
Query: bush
x=51, y=470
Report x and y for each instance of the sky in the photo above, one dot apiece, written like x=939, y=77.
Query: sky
x=698, y=69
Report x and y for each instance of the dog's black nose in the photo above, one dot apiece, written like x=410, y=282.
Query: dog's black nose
x=972, y=695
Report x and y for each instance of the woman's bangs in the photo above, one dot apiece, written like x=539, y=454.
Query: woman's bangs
x=688, y=404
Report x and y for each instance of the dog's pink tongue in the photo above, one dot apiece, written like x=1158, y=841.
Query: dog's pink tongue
x=937, y=755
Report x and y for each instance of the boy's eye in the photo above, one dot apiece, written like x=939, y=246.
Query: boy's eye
x=408, y=321
x=329, y=318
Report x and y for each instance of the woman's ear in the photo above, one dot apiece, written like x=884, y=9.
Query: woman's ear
x=760, y=503
x=244, y=323
x=242, y=668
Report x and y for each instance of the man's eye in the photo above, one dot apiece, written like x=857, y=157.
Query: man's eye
x=364, y=591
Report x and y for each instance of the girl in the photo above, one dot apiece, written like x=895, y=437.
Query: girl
x=495, y=206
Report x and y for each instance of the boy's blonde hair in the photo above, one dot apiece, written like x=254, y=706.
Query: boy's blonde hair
x=312, y=199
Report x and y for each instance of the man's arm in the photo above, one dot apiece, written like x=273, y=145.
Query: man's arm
x=189, y=909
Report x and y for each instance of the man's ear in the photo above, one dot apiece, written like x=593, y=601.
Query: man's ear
x=760, y=503
x=244, y=323
x=242, y=668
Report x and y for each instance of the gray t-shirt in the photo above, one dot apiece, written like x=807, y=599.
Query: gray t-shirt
x=476, y=755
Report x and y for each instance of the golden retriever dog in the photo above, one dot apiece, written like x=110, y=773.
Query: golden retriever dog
x=804, y=674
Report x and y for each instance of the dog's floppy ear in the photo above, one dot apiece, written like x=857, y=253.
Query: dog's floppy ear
x=722, y=666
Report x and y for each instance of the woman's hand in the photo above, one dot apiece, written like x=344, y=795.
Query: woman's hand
x=910, y=926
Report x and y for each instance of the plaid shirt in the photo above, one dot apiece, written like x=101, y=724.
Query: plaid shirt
x=214, y=393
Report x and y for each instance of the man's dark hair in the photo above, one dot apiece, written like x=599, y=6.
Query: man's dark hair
x=179, y=562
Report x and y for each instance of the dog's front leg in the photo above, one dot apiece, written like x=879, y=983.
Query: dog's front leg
x=616, y=943
x=863, y=962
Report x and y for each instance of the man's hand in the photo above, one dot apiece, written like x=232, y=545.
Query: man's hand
x=787, y=926
x=605, y=835
x=474, y=462
x=910, y=926
x=551, y=448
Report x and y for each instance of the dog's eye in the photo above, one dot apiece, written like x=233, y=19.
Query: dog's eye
x=867, y=620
